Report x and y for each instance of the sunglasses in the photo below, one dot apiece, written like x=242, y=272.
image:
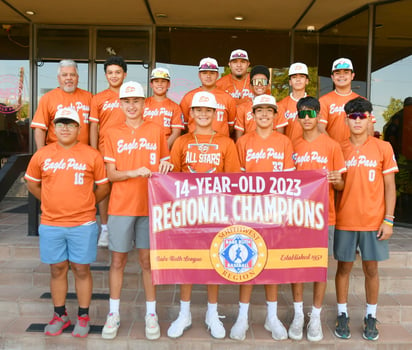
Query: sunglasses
x=341, y=66
x=70, y=126
x=260, y=81
x=357, y=115
x=310, y=113
x=208, y=66
x=238, y=55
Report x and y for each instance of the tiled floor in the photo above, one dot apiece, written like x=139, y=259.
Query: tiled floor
x=23, y=279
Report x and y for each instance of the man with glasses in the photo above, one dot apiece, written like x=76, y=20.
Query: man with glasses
x=237, y=83
x=315, y=150
x=332, y=114
x=364, y=214
x=298, y=80
x=69, y=178
x=105, y=114
x=226, y=106
x=245, y=122
x=66, y=95
x=262, y=150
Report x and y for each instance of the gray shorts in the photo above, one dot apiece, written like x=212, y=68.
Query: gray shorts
x=331, y=233
x=346, y=243
x=124, y=230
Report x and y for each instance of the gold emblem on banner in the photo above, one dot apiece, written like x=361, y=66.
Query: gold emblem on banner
x=238, y=253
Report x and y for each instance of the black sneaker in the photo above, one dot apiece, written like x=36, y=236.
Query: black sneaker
x=370, y=332
x=342, y=326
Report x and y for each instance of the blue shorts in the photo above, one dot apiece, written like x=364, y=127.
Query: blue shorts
x=371, y=248
x=77, y=244
x=124, y=230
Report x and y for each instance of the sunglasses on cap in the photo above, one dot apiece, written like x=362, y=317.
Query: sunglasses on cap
x=310, y=113
x=343, y=65
x=208, y=66
x=260, y=81
x=238, y=55
x=356, y=115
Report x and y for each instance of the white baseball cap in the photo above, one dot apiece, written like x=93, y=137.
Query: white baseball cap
x=239, y=53
x=66, y=113
x=265, y=100
x=208, y=64
x=298, y=68
x=160, y=73
x=204, y=99
x=342, y=63
x=131, y=89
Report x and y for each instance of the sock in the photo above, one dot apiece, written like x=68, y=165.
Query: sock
x=103, y=226
x=60, y=310
x=316, y=311
x=185, y=307
x=114, y=305
x=272, y=308
x=211, y=307
x=243, y=310
x=371, y=310
x=83, y=311
x=343, y=308
x=151, y=307
x=298, y=307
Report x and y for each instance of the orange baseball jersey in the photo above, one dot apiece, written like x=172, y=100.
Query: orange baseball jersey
x=271, y=154
x=246, y=122
x=106, y=112
x=322, y=153
x=287, y=108
x=361, y=204
x=130, y=149
x=226, y=111
x=166, y=113
x=67, y=178
x=204, y=154
x=80, y=100
x=240, y=90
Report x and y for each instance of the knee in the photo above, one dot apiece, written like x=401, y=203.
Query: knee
x=344, y=269
x=118, y=262
x=370, y=270
x=80, y=271
x=144, y=262
x=59, y=270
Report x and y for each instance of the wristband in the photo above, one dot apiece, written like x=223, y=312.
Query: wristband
x=388, y=222
x=389, y=216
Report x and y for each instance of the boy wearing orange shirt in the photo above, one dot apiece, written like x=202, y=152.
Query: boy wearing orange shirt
x=133, y=150
x=106, y=113
x=332, y=114
x=62, y=176
x=259, y=80
x=237, y=83
x=186, y=156
x=161, y=109
x=226, y=106
x=262, y=150
x=315, y=150
x=364, y=216
x=298, y=80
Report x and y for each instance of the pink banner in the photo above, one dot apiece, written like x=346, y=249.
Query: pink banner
x=252, y=228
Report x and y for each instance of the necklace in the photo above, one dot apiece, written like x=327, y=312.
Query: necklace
x=340, y=94
x=204, y=147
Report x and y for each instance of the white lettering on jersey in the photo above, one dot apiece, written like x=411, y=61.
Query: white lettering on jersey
x=63, y=165
x=110, y=105
x=270, y=153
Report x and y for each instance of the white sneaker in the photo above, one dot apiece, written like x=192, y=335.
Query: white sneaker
x=315, y=332
x=178, y=326
x=295, y=331
x=104, y=238
x=215, y=325
x=152, y=328
x=277, y=328
x=111, y=326
x=239, y=329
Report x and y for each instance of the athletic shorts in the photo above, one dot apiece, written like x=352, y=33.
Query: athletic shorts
x=124, y=230
x=346, y=243
x=77, y=244
x=331, y=233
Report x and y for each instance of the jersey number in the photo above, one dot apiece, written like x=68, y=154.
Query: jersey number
x=78, y=178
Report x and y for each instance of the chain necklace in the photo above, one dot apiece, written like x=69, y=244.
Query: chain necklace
x=204, y=147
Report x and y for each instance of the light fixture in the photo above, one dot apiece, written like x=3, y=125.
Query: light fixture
x=238, y=18
x=310, y=28
x=161, y=15
x=30, y=13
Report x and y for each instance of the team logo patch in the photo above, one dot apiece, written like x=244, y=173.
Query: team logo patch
x=238, y=253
